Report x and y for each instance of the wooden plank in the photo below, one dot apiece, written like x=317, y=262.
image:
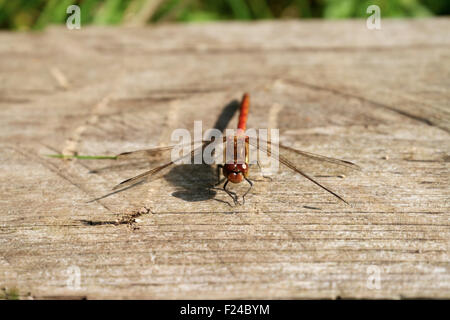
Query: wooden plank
x=378, y=98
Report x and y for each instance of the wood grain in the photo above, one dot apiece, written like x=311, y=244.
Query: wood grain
x=377, y=98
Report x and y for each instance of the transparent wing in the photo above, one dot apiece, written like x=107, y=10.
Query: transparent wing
x=159, y=171
x=156, y=153
x=315, y=164
x=289, y=164
x=319, y=158
x=129, y=162
x=149, y=175
x=302, y=162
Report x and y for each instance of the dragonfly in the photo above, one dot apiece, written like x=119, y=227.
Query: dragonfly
x=238, y=169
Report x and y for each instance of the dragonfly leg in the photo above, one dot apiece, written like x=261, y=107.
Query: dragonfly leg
x=230, y=193
x=248, y=190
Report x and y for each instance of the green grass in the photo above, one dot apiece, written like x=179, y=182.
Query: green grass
x=9, y=294
x=37, y=14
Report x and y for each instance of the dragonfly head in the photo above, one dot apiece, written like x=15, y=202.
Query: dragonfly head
x=235, y=172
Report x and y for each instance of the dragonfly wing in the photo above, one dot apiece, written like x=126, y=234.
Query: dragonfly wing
x=318, y=157
x=315, y=164
x=288, y=164
x=300, y=169
x=153, y=173
x=159, y=171
x=155, y=153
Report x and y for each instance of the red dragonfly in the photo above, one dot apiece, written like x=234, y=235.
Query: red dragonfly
x=237, y=170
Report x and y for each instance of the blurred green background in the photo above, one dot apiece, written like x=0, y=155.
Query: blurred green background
x=36, y=14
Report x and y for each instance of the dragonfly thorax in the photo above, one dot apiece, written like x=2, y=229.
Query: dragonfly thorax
x=235, y=172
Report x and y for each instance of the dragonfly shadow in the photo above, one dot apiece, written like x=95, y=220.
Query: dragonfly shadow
x=194, y=181
x=197, y=181
x=226, y=115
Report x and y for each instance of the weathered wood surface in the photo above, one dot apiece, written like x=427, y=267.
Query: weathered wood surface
x=378, y=98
